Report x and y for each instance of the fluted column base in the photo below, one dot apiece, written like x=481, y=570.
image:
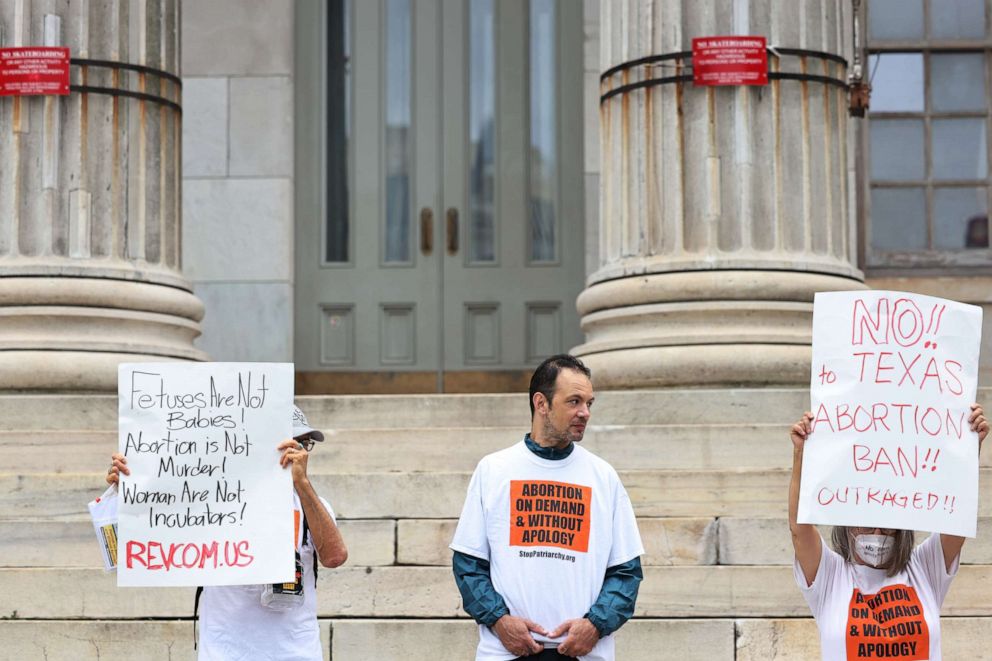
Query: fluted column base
x=71, y=333
x=65, y=371
x=734, y=328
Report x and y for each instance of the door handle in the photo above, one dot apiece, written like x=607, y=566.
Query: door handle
x=451, y=218
x=426, y=230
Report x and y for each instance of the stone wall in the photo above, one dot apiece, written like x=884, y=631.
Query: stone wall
x=237, y=68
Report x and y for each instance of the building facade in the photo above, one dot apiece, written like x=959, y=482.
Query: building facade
x=418, y=186
x=423, y=196
x=410, y=196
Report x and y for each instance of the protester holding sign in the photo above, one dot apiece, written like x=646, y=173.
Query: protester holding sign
x=873, y=596
x=547, y=552
x=890, y=446
x=273, y=622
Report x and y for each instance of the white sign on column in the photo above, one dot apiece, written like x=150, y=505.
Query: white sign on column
x=206, y=502
x=893, y=378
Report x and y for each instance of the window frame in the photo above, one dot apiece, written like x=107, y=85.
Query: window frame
x=966, y=261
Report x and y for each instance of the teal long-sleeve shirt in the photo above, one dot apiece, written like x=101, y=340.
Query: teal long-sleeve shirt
x=613, y=607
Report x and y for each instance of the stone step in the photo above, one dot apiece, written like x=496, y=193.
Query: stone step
x=798, y=640
x=638, y=640
x=667, y=541
x=439, y=495
x=372, y=543
x=626, y=407
x=674, y=541
x=684, y=447
x=348, y=640
x=58, y=413
x=451, y=640
x=57, y=452
x=625, y=447
x=629, y=407
x=424, y=542
x=765, y=541
x=74, y=544
x=58, y=497
x=94, y=640
x=685, y=406
x=662, y=447
x=430, y=592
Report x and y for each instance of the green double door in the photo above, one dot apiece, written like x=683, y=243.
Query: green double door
x=440, y=219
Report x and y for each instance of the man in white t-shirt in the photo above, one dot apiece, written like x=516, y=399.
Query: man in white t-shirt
x=547, y=551
x=250, y=622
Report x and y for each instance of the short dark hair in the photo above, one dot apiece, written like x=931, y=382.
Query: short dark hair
x=544, y=377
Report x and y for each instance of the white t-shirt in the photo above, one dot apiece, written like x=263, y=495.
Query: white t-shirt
x=235, y=626
x=550, y=529
x=863, y=614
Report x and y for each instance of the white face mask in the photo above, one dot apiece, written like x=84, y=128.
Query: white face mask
x=875, y=550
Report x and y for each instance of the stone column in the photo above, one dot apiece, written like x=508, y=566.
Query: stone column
x=90, y=199
x=722, y=209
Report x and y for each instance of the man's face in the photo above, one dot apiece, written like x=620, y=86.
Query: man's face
x=566, y=416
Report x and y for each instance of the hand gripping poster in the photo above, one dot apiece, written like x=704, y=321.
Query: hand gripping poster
x=893, y=378
x=206, y=501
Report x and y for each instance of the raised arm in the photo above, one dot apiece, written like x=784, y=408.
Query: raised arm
x=327, y=540
x=951, y=544
x=805, y=538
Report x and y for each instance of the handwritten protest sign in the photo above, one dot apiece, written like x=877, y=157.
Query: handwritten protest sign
x=894, y=375
x=206, y=502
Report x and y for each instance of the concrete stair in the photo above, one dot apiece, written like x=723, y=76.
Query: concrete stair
x=707, y=471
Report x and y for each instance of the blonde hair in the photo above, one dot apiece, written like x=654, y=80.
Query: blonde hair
x=840, y=539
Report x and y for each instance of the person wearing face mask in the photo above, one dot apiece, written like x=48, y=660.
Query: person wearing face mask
x=873, y=595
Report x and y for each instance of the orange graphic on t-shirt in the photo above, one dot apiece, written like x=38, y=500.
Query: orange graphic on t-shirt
x=887, y=625
x=545, y=513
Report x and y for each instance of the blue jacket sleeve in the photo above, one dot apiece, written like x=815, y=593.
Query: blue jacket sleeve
x=615, y=604
x=479, y=597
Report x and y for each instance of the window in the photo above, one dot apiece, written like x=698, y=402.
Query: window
x=928, y=134
x=338, y=226
x=543, y=160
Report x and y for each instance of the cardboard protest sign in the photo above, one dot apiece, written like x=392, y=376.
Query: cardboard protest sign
x=207, y=502
x=893, y=379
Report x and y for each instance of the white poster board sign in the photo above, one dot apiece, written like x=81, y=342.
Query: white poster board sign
x=206, y=502
x=893, y=379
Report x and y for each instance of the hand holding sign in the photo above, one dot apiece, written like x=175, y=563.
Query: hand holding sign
x=294, y=455
x=892, y=445
x=979, y=424
x=800, y=431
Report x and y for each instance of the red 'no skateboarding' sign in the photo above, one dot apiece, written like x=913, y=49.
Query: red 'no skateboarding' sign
x=729, y=61
x=34, y=70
